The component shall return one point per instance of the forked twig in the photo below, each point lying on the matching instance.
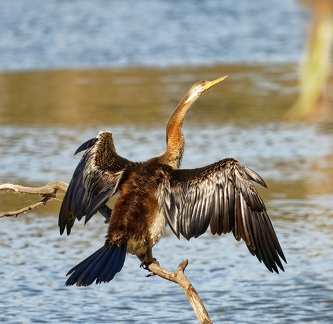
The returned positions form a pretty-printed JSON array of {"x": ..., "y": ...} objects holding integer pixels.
[{"x": 48, "y": 192}]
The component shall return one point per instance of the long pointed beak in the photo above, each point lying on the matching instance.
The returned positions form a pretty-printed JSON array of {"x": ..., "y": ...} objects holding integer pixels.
[{"x": 210, "y": 84}]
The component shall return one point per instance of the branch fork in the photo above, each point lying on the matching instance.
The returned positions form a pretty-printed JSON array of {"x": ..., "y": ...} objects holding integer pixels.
[{"x": 48, "y": 192}]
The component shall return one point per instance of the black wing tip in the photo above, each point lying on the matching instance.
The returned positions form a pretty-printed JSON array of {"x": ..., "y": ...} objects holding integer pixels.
[
  {"x": 282, "y": 256},
  {"x": 101, "y": 266},
  {"x": 62, "y": 224},
  {"x": 68, "y": 230},
  {"x": 275, "y": 265},
  {"x": 62, "y": 229},
  {"x": 65, "y": 221},
  {"x": 270, "y": 258},
  {"x": 86, "y": 145}
]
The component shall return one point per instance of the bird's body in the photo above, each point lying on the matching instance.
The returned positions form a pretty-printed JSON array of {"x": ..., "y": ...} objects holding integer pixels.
[
  {"x": 136, "y": 217},
  {"x": 155, "y": 193}
]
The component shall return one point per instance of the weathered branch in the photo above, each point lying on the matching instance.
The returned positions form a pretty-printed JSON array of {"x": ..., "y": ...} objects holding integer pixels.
[
  {"x": 48, "y": 189},
  {"x": 179, "y": 277},
  {"x": 49, "y": 192}
]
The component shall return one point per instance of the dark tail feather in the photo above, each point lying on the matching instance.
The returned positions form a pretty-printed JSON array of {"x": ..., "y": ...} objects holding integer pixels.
[{"x": 101, "y": 266}]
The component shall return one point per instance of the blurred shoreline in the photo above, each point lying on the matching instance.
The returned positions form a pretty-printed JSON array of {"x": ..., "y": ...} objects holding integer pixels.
[{"x": 147, "y": 96}]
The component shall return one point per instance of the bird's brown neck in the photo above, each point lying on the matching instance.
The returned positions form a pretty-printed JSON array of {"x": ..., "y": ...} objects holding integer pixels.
[{"x": 174, "y": 135}]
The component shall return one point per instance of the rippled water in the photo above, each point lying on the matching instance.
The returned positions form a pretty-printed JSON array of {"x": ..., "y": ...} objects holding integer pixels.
[
  {"x": 232, "y": 284},
  {"x": 153, "y": 33}
]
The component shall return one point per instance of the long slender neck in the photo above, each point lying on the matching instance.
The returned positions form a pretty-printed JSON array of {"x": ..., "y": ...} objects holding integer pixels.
[{"x": 174, "y": 135}]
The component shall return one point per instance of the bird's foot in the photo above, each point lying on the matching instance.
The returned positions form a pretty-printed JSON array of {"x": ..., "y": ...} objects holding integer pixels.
[
  {"x": 145, "y": 265},
  {"x": 146, "y": 262}
]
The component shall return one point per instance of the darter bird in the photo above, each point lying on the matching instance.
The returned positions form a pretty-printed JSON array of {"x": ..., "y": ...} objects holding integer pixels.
[{"x": 155, "y": 193}]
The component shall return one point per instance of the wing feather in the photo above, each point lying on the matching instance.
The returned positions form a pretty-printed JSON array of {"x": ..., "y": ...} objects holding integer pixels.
[
  {"x": 223, "y": 197},
  {"x": 95, "y": 180}
]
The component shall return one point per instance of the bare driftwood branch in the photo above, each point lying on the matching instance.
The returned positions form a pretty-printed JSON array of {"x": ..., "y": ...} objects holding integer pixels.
[
  {"x": 179, "y": 277},
  {"x": 49, "y": 192},
  {"x": 49, "y": 189}
]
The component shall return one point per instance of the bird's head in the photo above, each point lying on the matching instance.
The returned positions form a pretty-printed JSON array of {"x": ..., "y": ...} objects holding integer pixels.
[{"x": 200, "y": 87}]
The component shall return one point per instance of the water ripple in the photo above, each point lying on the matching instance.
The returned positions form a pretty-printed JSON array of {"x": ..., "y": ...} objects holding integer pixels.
[
  {"x": 83, "y": 34},
  {"x": 234, "y": 286}
]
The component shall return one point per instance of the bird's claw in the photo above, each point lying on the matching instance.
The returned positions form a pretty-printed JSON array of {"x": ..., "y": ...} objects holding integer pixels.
[{"x": 145, "y": 263}]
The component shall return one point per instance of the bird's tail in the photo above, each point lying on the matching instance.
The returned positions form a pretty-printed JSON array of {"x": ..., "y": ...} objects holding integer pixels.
[{"x": 101, "y": 266}]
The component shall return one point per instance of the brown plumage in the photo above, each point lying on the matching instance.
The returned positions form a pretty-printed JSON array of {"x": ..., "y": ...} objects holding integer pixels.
[{"x": 155, "y": 193}]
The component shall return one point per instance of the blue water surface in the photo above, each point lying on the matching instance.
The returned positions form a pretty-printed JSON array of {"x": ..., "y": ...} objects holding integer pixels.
[{"x": 41, "y": 34}]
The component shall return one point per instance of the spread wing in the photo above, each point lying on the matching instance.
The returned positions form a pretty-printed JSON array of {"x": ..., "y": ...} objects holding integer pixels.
[
  {"x": 94, "y": 181},
  {"x": 220, "y": 195}
]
